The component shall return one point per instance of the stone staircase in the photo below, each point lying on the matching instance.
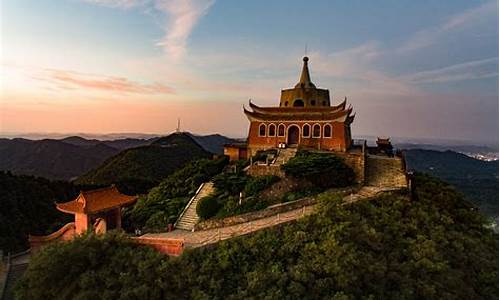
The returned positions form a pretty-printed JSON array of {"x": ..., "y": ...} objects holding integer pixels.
[
  {"x": 284, "y": 155},
  {"x": 189, "y": 217}
]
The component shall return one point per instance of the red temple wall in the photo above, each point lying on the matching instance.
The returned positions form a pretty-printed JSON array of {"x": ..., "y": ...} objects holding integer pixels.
[
  {"x": 82, "y": 223},
  {"x": 340, "y": 140}
]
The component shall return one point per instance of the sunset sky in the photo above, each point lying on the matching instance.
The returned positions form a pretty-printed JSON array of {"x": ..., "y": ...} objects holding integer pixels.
[{"x": 409, "y": 68}]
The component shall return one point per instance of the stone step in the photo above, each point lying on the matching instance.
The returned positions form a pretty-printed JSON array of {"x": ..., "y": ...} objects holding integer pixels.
[{"x": 190, "y": 217}]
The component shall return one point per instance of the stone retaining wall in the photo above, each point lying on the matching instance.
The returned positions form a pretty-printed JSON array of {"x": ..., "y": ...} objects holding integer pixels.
[
  {"x": 263, "y": 170},
  {"x": 357, "y": 163},
  {"x": 385, "y": 172}
]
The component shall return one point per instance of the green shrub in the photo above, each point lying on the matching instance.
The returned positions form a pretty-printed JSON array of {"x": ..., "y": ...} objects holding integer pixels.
[
  {"x": 257, "y": 184},
  {"x": 230, "y": 183},
  {"x": 207, "y": 207},
  {"x": 324, "y": 170}
]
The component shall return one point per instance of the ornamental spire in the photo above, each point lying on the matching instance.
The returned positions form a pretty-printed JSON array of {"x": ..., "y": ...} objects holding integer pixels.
[{"x": 305, "y": 78}]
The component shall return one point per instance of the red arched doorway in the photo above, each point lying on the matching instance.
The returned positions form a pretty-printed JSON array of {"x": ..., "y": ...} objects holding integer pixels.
[{"x": 293, "y": 135}]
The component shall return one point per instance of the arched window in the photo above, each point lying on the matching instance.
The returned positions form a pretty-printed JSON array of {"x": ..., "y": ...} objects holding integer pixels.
[
  {"x": 262, "y": 130},
  {"x": 306, "y": 130},
  {"x": 327, "y": 131},
  {"x": 316, "y": 131},
  {"x": 286, "y": 103},
  {"x": 313, "y": 102},
  {"x": 281, "y": 130},
  {"x": 298, "y": 103},
  {"x": 271, "y": 131}
]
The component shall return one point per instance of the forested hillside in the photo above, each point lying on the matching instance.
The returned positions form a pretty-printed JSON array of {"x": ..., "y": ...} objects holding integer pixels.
[
  {"x": 73, "y": 156},
  {"x": 27, "y": 207},
  {"x": 137, "y": 170},
  {"x": 477, "y": 179},
  {"x": 442, "y": 250}
]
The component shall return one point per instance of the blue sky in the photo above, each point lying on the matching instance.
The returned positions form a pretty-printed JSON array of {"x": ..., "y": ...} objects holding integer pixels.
[{"x": 410, "y": 68}]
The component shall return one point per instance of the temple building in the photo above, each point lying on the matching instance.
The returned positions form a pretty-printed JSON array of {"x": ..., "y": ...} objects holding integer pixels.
[
  {"x": 304, "y": 118},
  {"x": 90, "y": 206},
  {"x": 96, "y": 210}
]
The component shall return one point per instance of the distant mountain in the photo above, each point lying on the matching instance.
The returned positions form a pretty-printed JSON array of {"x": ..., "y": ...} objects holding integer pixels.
[
  {"x": 72, "y": 156},
  {"x": 138, "y": 169},
  {"x": 120, "y": 144},
  {"x": 477, "y": 179},
  {"x": 213, "y": 142},
  {"x": 53, "y": 159}
]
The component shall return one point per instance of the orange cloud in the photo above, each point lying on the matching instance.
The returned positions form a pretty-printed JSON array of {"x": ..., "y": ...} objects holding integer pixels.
[{"x": 73, "y": 80}]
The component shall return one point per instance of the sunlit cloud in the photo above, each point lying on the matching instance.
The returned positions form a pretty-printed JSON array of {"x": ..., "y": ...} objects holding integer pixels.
[
  {"x": 183, "y": 15},
  {"x": 69, "y": 80},
  {"x": 181, "y": 18}
]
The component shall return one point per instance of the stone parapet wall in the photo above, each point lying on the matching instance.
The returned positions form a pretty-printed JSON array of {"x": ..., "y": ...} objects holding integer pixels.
[
  {"x": 65, "y": 233},
  {"x": 385, "y": 171},
  {"x": 270, "y": 211}
]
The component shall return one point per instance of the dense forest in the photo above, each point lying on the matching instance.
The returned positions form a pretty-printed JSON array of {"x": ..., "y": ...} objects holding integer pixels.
[
  {"x": 27, "y": 207},
  {"x": 431, "y": 246},
  {"x": 477, "y": 179}
]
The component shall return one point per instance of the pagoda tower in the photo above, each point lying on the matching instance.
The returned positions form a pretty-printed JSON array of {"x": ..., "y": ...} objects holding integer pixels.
[{"x": 304, "y": 118}]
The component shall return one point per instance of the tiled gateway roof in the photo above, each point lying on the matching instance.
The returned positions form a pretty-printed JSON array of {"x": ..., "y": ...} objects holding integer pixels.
[{"x": 96, "y": 200}]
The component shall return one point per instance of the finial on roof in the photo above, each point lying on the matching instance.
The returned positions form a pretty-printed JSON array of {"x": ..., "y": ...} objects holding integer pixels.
[{"x": 305, "y": 78}]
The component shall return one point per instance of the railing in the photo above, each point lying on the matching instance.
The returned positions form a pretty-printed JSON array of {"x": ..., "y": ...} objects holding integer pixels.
[{"x": 188, "y": 204}]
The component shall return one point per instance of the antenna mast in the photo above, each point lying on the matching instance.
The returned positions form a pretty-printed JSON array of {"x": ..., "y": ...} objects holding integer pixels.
[{"x": 178, "y": 130}]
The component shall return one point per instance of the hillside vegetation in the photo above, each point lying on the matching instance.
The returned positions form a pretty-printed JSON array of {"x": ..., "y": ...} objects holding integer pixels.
[
  {"x": 27, "y": 207},
  {"x": 477, "y": 179},
  {"x": 442, "y": 250},
  {"x": 137, "y": 170},
  {"x": 163, "y": 204}
]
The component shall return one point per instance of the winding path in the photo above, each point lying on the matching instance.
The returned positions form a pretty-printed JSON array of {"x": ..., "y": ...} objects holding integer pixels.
[{"x": 206, "y": 237}]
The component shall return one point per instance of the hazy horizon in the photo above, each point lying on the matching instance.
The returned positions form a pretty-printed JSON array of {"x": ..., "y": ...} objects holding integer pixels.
[
  {"x": 145, "y": 135},
  {"x": 424, "y": 70}
]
